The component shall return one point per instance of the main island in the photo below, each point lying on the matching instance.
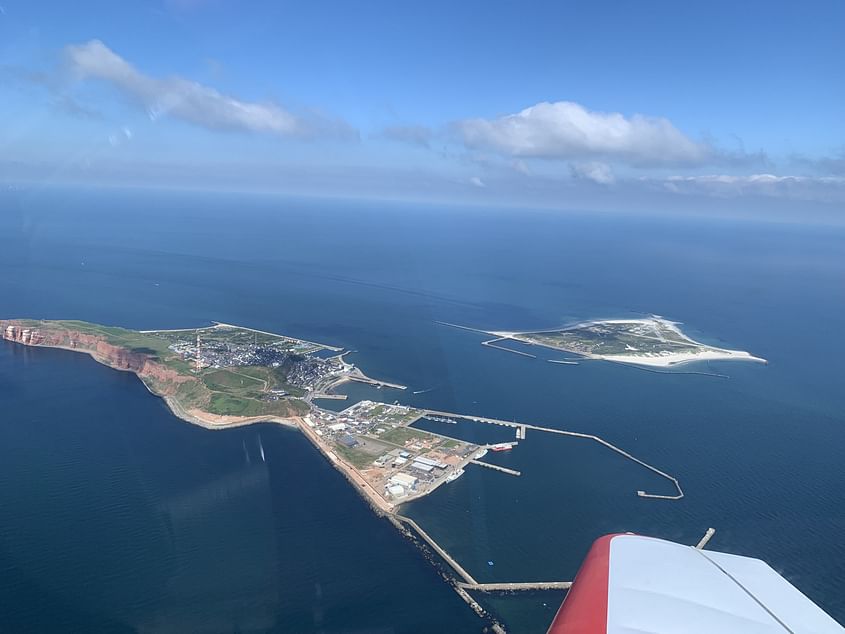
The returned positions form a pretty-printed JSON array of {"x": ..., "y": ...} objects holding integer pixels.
[{"x": 224, "y": 376}]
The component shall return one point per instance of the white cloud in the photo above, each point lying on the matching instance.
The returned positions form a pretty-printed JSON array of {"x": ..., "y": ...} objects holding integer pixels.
[
  {"x": 595, "y": 171},
  {"x": 475, "y": 180},
  {"x": 189, "y": 100},
  {"x": 567, "y": 130},
  {"x": 819, "y": 188}
]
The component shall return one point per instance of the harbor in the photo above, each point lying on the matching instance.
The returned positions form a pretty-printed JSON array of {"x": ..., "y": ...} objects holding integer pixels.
[{"x": 522, "y": 427}]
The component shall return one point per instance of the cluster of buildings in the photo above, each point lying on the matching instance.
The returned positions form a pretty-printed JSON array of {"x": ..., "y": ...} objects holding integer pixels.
[
  {"x": 299, "y": 370},
  {"x": 400, "y": 465}
]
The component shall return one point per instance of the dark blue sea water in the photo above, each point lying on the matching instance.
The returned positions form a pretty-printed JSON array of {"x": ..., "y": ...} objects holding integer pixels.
[{"x": 116, "y": 516}]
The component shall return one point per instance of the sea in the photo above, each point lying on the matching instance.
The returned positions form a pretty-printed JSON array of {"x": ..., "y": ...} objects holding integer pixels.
[{"x": 115, "y": 516}]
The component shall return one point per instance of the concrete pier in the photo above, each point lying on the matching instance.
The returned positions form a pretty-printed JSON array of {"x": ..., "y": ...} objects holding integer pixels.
[
  {"x": 514, "y": 587},
  {"x": 601, "y": 441},
  {"x": 446, "y": 556},
  {"x": 496, "y": 467},
  {"x": 491, "y": 343},
  {"x": 376, "y": 382},
  {"x": 710, "y": 532}
]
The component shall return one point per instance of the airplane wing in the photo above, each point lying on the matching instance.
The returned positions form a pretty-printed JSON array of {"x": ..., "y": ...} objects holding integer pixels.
[{"x": 630, "y": 584}]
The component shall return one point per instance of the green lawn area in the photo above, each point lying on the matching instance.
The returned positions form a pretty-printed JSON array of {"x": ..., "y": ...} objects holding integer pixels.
[
  {"x": 231, "y": 381},
  {"x": 230, "y": 405},
  {"x": 401, "y": 435},
  {"x": 354, "y": 456}
]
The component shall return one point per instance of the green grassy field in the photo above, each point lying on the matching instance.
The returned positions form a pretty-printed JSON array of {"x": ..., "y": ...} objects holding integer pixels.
[
  {"x": 401, "y": 435},
  {"x": 232, "y": 381},
  {"x": 355, "y": 457}
]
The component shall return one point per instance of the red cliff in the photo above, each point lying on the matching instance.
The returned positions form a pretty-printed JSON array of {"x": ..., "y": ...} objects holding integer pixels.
[{"x": 165, "y": 379}]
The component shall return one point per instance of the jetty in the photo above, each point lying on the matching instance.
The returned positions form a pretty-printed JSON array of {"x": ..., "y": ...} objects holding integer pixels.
[
  {"x": 496, "y": 467},
  {"x": 517, "y": 586},
  {"x": 491, "y": 343},
  {"x": 362, "y": 378},
  {"x": 707, "y": 535},
  {"x": 575, "y": 434},
  {"x": 440, "y": 551}
]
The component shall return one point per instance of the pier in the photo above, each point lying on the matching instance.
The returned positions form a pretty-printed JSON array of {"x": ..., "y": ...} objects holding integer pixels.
[
  {"x": 594, "y": 438},
  {"x": 496, "y": 467},
  {"x": 710, "y": 532},
  {"x": 360, "y": 378},
  {"x": 517, "y": 586},
  {"x": 491, "y": 343},
  {"x": 331, "y": 397},
  {"x": 446, "y": 556}
]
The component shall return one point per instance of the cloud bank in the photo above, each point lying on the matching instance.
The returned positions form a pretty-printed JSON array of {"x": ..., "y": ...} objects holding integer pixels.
[
  {"x": 595, "y": 171},
  {"x": 818, "y": 188},
  {"x": 191, "y": 101},
  {"x": 567, "y": 130}
]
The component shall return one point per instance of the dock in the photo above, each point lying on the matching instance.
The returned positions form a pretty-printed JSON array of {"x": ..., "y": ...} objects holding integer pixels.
[
  {"x": 331, "y": 397},
  {"x": 496, "y": 467},
  {"x": 517, "y": 586}
]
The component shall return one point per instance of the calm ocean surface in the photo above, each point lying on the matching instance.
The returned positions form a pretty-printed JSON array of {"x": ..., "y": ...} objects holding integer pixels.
[{"x": 117, "y": 517}]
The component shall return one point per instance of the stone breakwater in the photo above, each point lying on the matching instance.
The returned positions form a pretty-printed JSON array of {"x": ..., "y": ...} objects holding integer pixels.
[{"x": 164, "y": 379}]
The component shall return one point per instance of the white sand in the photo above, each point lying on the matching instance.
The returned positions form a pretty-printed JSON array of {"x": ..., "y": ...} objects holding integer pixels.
[{"x": 676, "y": 358}]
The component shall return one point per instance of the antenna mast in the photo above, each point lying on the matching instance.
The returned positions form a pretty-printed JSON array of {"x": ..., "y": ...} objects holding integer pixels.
[{"x": 198, "y": 352}]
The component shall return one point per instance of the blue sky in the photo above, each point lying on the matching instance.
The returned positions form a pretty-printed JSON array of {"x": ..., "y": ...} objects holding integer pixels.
[{"x": 558, "y": 104}]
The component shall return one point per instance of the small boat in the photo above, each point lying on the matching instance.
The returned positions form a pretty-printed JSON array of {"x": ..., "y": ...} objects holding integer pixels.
[
  {"x": 261, "y": 449},
  {"x": 502, "y": 446}
]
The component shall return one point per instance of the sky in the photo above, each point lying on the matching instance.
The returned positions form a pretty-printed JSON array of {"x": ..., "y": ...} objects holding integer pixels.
[{"x": 705, "y": 107}]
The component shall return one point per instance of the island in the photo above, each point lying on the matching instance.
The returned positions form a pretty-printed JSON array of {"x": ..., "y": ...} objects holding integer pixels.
[
  {"x": 223, "y": 376},
  {"x": 653, "y": 341}
]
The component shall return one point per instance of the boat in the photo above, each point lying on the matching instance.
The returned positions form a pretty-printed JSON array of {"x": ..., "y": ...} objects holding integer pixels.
[
  {"x": 454, "y": 475},
  {"x": 261, "y": 447},
  {"x": 501, "y": 446}
]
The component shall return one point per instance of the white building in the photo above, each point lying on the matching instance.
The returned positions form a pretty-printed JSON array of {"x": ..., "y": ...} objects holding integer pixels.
[
  {"x": 403, "y": 479},
  {"x": 396, "y": 491}
]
